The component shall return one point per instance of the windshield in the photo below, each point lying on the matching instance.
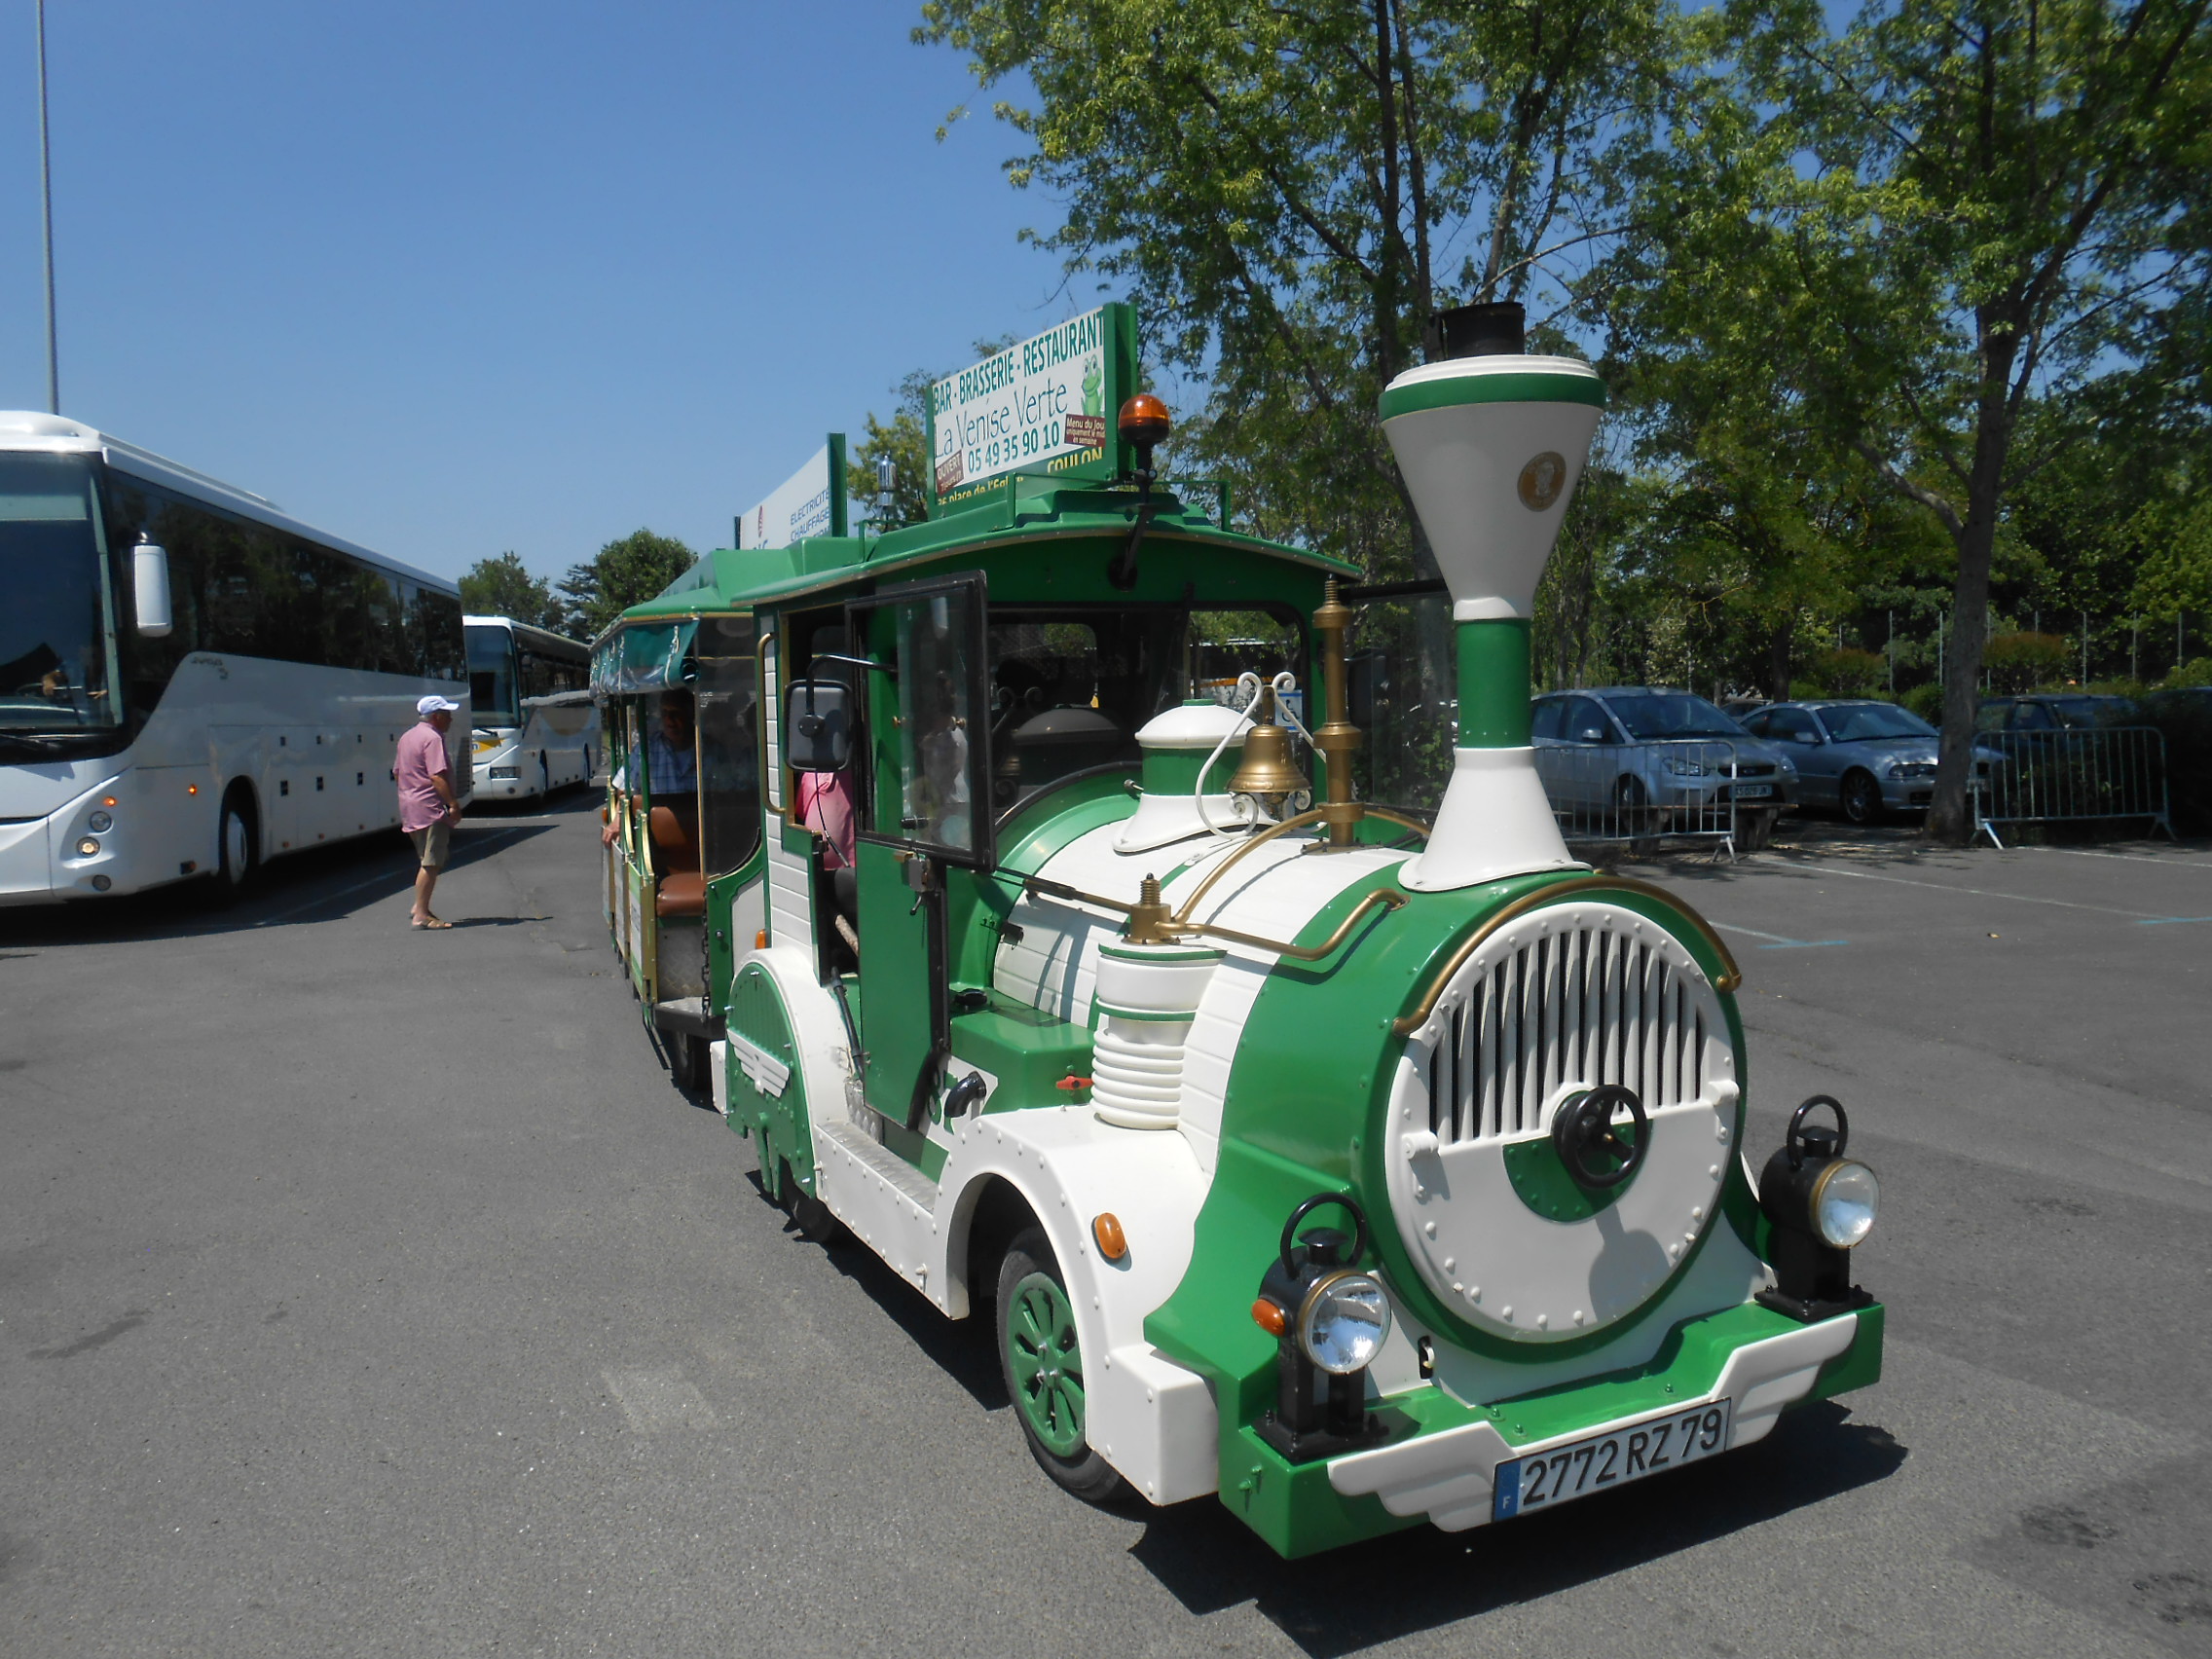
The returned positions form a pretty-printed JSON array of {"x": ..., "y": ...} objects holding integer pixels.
[
  {"x": 2091, "y": 711},
  {"x": 56, "y": 615},
  {"x": 1654, "y": 716},
  {"x": 1848, "y": 722},
  {"x": 491, "y": 677}
]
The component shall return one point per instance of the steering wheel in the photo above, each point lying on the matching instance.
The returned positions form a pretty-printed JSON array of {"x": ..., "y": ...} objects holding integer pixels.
[{"x": 1584, "y": 1137}]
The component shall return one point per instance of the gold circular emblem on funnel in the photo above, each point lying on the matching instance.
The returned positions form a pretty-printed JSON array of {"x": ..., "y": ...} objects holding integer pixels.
[{"x": 1542, "y": 479}]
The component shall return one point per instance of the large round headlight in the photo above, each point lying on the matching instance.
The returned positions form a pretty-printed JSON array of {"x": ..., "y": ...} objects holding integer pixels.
[
  {"x": 1844, "y": 1200},
  {"x": 99, "y": 824},
  {"x": 1343, "y": 1322}
]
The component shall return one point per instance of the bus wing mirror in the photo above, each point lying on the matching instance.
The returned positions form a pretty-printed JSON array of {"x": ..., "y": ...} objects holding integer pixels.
[
  {"x": 818, "y": 726},
  {"x": 150, "y": 583}
]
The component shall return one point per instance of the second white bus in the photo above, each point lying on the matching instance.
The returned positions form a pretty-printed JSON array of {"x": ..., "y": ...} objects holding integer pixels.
[{"x": 536, "y": 726}]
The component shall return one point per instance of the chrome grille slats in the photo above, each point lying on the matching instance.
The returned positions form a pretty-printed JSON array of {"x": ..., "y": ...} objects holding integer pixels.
[{"x": 1595, "y": 996}]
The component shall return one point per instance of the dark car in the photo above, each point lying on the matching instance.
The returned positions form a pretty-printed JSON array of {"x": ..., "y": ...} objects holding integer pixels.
[{"x": 2053, "y": 711}]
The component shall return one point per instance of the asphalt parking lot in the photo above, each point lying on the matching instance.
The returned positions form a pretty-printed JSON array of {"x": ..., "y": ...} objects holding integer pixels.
[{"x": 364, "y": 1290}]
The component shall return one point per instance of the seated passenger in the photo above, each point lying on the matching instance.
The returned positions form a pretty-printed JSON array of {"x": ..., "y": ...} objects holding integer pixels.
[{"x": 671, "y": 774}]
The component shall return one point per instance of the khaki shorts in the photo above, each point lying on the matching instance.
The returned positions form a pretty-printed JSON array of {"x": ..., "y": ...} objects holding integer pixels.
[{"x": 432, "y": 843}]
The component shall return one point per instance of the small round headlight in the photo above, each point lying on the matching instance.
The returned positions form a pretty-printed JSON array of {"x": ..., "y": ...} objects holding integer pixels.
[
  {"x": 1844, "y": 1200},
  {"x": 99, "y": 824},
  {"x": 1343, "y": 1322},
  {"x": 87, "y": 847}
]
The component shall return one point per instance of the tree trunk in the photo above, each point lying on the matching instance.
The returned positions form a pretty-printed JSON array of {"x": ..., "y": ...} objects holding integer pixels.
[
  {"x": 1778, "y": 658},
  {"x": 1950, "y": 817}
]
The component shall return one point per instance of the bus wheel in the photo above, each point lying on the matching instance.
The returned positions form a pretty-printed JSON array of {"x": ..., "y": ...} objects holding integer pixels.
[
  {"x": 237, "y": 844},
  {"x": 1041, "y": 1358}
]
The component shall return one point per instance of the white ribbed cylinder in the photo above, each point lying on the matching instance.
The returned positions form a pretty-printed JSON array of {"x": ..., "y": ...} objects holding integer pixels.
[{"x": 1148, "y": 996}]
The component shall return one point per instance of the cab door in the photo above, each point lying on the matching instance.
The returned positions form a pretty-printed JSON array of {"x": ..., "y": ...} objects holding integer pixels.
[{"x": 924, "y": 811}]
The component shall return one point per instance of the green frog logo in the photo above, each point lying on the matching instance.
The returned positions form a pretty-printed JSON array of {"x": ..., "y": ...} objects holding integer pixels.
[{"x": 1093, "y": 386}]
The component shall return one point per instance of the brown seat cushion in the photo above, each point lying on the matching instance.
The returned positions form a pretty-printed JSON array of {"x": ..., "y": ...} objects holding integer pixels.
[{"x": 682, "y": 893}]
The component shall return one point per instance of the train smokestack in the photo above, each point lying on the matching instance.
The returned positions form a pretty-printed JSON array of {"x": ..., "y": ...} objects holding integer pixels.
[{"x": 1490, "y": 443}]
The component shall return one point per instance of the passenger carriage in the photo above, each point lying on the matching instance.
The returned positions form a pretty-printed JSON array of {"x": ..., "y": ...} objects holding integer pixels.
[{"x": 1356, "y": 1169}]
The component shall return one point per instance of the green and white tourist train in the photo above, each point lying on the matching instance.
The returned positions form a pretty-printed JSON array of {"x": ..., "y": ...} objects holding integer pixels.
[{"x": 1358, "y": 1170}]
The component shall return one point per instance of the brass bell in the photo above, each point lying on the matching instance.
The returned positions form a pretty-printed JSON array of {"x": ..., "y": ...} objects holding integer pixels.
[{"x": 1266, "y": 769}]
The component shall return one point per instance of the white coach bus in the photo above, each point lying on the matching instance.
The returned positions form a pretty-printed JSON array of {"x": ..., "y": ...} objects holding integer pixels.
[
  {"x": 537, "y": 728},
  {"x": 191, "y": 683}
]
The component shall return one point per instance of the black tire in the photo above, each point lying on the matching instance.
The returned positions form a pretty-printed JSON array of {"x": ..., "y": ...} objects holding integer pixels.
[
  {"x": 810, "y": 1215},
  {"x": 1039, "y": 1354},
  {"x": 1631, "y": 808},
  {"x": 238, "y": 845},
  {"x": 686, "y": 1067},
  {"x": 1861, "y": 797}
]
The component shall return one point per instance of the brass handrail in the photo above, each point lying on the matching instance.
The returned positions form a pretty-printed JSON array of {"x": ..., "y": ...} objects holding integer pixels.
[
  {"x": 1731, "y": 977},
  {"x": 1242, "y": 847},
  {"x": 1387, "y": 897}
]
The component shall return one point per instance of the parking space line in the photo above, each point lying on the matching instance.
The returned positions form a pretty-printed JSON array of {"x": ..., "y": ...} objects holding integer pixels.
[
  {"x": 2164, "y": 921},
  {"x": 1983, "y": 893},
  {"x": 1779, "y": 942},
  {"x": 2131, "y": 857}
]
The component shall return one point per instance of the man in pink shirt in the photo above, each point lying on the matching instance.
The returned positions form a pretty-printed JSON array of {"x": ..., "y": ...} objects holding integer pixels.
[{"x": 427, "y": 807}]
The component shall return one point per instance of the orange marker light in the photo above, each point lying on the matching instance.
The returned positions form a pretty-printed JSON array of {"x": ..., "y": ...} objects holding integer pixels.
[
  {"x": 108, "y": 801},
  {"x": 760, "y": 940},
  {"x": 1269, "y": 1317},
  {"x": 191, "y": 788},
  {"x": 1106, "y": 1228}
]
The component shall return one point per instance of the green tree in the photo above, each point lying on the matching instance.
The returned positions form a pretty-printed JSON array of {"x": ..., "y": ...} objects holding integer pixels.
[
  {"x": 905, "y": 441},
  {"x": 1291, "y": 194},
  {"x": 1918, "y": 227},
  {"x": 625, "y": 572},
  {"x": 504, "y": 587}
]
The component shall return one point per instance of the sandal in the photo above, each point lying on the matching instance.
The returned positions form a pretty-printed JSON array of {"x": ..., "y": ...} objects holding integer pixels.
[{"x": 434, "y": 922}]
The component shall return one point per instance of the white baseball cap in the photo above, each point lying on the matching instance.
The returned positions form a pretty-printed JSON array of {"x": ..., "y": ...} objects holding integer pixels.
[{"x": 433, "y": 704}]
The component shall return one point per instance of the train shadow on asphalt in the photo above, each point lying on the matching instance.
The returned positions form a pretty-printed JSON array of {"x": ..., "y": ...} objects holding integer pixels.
[
  {"x": 1205, "y": 1559},
  {"x": 959, "y": 1348},
  {"x": 320, "y": 884}
]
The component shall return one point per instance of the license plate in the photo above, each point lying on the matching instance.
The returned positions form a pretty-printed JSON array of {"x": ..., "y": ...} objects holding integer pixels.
[
  {"x": 1754, "y": 791},
  {"x": 1565, "y": 1474}
]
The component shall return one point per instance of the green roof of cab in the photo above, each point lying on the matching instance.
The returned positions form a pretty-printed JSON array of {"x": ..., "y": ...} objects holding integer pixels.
[
  {"x": 1530, "y": 384},
  {"x": 740, "y": 578}
]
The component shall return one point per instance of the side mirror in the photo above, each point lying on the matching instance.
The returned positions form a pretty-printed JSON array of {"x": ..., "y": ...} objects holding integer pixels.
[
  {"x": 150, "y": 584},
  {"x": 818, "y": 726}
]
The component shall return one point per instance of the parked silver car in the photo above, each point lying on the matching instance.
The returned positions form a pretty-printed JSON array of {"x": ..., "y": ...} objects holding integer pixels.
[
  {"x": 1860, "y": 753},
  {"x": 1656, "y": 762}
]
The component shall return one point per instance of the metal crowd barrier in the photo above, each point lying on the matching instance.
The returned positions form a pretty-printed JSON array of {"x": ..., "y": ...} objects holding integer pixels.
[
  {"x": 1644, "y": 793},
  {"x": 2054, "y": 777}
]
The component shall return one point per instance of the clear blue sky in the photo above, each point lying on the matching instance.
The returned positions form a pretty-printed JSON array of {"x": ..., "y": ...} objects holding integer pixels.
[{"x": 447, "y": 279}]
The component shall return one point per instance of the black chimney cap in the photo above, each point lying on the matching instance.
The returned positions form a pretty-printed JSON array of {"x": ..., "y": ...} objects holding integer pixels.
[{"x": 1496, "y": 329}]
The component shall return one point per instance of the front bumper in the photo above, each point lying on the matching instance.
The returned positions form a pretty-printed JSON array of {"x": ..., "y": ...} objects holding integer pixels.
[{"x": 1442, "y": 1464}]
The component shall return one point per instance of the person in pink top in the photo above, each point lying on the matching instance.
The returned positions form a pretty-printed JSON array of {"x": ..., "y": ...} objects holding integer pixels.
[{"x": 427, "y": 806}]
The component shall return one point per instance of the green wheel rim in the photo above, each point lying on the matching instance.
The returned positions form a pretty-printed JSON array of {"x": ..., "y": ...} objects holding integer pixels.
[{"x": 1046, "y": 1363}]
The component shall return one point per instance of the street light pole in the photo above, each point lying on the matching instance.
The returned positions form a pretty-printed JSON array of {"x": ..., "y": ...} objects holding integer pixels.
[{"x": 46, "y": 194}]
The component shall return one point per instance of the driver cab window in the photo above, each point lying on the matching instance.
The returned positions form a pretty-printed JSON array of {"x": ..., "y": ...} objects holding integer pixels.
[{"x": 928, "y": 722}]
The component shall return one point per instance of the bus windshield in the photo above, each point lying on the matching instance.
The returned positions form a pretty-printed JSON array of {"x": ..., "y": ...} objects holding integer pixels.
[
  {"x": 491, "y": 677},
  {"x": 56, "y": 615}
]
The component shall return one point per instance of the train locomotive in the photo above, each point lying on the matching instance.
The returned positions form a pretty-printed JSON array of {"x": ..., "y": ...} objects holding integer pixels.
[{"x": 1361, "y": 1169}]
